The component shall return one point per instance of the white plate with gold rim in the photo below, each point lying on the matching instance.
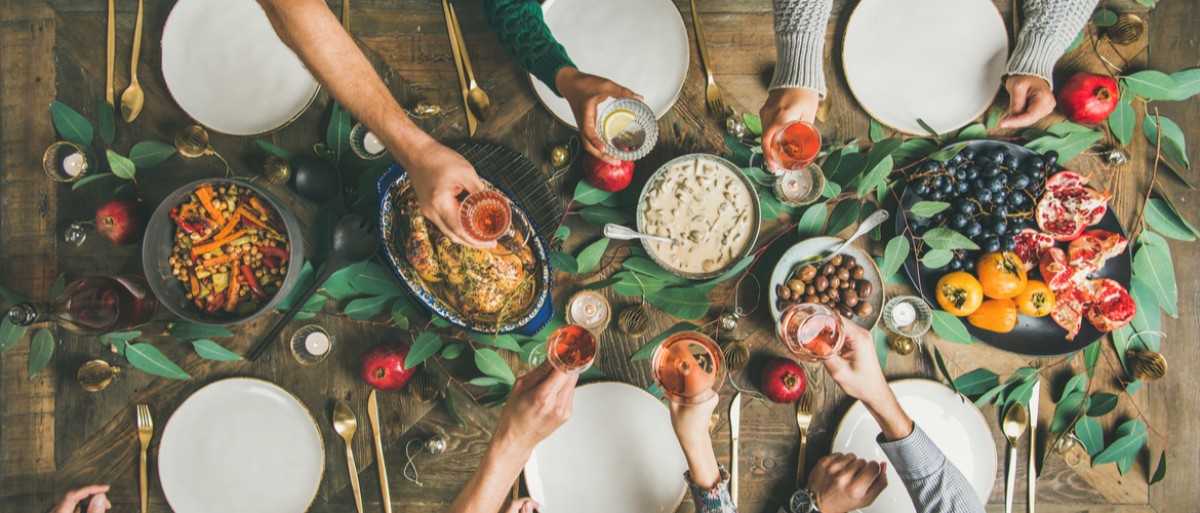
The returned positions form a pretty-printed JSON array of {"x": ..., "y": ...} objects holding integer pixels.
[
  {"x": 937, "y": 60},
  {"x": 226, "y": 67},
  {"x": 617, "y": 453},
  {"x": 955, "y": 426},
  {"x": 640, "y": 44},
  {"x": 241, "y": 445}
]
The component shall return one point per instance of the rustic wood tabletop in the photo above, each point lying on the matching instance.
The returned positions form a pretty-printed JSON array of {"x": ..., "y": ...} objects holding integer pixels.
[{"x": 54, "y": 436}]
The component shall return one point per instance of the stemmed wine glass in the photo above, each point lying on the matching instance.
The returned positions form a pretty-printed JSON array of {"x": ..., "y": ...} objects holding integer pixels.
[
  {"x": 688, "y": 367},
  {"x": 811, "y": 331},
  {"x": 572, "y": 349}
]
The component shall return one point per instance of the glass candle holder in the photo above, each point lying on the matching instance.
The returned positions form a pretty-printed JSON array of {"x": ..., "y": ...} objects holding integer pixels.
[
  {"x": 909, "y": 316},
  {"x": 800, "y": 187},
  {"x": 628, "y": 128},
  {"x": 589, "y": 309},
  {"x": 65, "y": 162},
  {"x": 811, "y": 331},
  {"x": 311, "y": 344},
  {"x": 365, "y": 143}
]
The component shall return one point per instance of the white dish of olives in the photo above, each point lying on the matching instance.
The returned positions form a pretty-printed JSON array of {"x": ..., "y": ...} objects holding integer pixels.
[{"x": 849, "y": 283}]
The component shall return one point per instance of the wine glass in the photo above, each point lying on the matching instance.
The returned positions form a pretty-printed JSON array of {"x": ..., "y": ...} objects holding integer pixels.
[
  {"x": 572, "y": 349},
  {"x": 486, "y": 215},
  {"x": 688, "y": 367},
  {"x": 794, "y": 147},
  {"x": 811, "y": 331}
]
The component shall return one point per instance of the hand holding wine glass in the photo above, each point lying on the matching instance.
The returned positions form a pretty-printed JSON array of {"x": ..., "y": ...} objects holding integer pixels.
[{"x": 539, "y": 404}]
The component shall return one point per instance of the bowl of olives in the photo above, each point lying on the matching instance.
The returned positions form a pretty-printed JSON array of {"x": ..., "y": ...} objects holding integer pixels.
[{"x": 849, "y": 283}]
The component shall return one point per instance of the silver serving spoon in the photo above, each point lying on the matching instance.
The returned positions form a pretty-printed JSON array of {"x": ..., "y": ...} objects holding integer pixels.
[
  {"x": 867, "y": 225},
  {"x": 618, "y": 232}
]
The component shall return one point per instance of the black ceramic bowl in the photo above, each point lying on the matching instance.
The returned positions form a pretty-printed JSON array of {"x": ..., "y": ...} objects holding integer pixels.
[{"x": 159, "y": 241}]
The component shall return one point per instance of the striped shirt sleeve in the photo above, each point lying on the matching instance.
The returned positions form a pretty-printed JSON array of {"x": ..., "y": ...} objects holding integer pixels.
[{"x": 934, "y": 484}]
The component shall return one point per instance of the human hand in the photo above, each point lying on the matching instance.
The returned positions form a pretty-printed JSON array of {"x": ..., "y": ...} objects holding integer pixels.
[
  {"x": 785, "y": 105},
  {"x": 540, "y": 402},
  {"x": 522, "y": 505},
  {"x": 97, "y": 502},
  {"x": 843, "y": 482},
  {"x": 1029, "y": 100},
  {"x": 856, "y": 368},
  {"x": 583, "y": 93},
  {"x": 439, "y": 175}
]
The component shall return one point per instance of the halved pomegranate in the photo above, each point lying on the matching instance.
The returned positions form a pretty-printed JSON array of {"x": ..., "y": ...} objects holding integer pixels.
[
  {"x": 1031, "y": 244},
  {"x": 1068, "y": 310},
  {"x": 1111, "y": 306},
  {"x": 1068, "y": 206},
  {"x": 1093, "y": 248},
  {"x": 1054, "y": 269}
]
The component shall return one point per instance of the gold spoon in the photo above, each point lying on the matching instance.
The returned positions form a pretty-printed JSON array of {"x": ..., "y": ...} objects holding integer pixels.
[
  {"x": 346, "y": 424},
  {"x": 133, "y": 98},
  {"x": 477, "y": 98},
  {"x": 1015, "y": 421}
]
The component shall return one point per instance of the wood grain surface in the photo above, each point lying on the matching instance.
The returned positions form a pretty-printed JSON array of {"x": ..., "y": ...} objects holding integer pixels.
[{"x": 54, "y": 436}]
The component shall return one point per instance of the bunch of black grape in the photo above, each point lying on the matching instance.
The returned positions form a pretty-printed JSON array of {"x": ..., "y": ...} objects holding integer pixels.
[{"x": 992, "y": 195}]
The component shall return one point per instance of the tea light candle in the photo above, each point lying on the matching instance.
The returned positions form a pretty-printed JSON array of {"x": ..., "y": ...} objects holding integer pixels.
[
  {"x": 73, "y": 164},
  {"x": 317, "y": 343},
  {"x": 588, "y": 309},
  {"x": 794, "y": 185},
  {"x": 903, "y": 314},
  {"x": 372, "y": 144}
]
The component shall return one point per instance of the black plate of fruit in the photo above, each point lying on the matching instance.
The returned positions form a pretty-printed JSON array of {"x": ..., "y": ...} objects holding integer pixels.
[{"x": 993, "y": 189}]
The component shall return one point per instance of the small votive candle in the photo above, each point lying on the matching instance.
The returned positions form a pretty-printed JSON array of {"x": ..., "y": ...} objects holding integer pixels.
[
  {"x": 903, "y": 314},
  {"x": 372, "y": 144},
  {"x": 317, "y": 343},
  {"x": 311, "y": 344},
  {"x": 589, "y": 309},
  {"x": 73, "y": 164}
]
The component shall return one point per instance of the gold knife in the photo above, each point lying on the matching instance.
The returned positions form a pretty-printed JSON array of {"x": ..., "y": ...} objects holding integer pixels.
[
  {"x": 1031, "y": 485},
  {"x": 112, "y": 49},
  {"x": 373, "y": 415},
  {"x": 735, "y": 424},
  {"x": 452, "y": 31}
]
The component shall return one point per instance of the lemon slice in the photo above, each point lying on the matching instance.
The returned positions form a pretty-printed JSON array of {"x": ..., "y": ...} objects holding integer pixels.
[{"x": 616, "y": 121}]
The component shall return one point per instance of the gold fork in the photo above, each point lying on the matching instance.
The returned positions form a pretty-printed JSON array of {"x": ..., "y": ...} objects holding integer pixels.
[
  {"x": 145, "y": 430},
  {"x": 712, "y": 93},
  {"x": 803, "y": 420}
]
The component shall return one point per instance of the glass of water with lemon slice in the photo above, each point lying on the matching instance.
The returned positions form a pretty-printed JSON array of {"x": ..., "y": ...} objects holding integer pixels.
[{"x": 628, "y": 128}]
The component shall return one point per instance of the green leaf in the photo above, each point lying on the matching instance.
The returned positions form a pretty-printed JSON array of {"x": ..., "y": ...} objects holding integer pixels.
[
  {"x": 70, "y": 124},
  {"x": 1066, "y": 411},
  {"x": 1090, "y": 356},
  {"x": 1161, "y": 470},
  {"x": 121, "y": 336},
  {"x": 1133, "y": 387},
  {"x": 753, "y": 123},
  {"x": 950, "y": 327},
  {"x": 881, "y": 346},
  {"x": 948, "y": 153},
  {"x": 106, "y": 123},
  {"x": 210, "y": 350},
  {"x": 192, "y": 331},
  {"x": 276, "y": 151},
  {"x": 148, "y": 154},
  {"x": 590, "y": 256},
  {"x": 485, "y": 381},
  {"x": 452, "y": 411},
  {"x": 876, "y": 176},
  {"x": 588, "y": 195},
  {"x": 563, "y": 233},
  {"x": 990, "y": 396},
  {"x": 737, "y": 269},
  {"x": 632, "y": 284},
  {"x": 914, "y": 149},
  {"x": 876, "y": 131},
  {"x": 812, "y": 220},
  {"x": 928, "y": 209},
  {"x": 944, "y": 238},
  {"x": 121, "y": 166},
  {"x": 564, "y": 262},
  {"x": 90, "y": 178},
  {"x": 1128, "y": 444},
  {"x": 769, "y": 206},
  {"x": 453, "y": 351},
  {"x": 647, "y": 267},
  {"x": 492, "y": 364},
  {"x": 1174, "y": 144},
  {"x": 596, "y": 214},
  {"x": 977, "y": 382},
  {"x": 425, "y": 345},
  {"x": 41, "y": 348},
  {"x": 941, "y": 365},
  {"x": 1101, "y": 404},
  {"x": 646, "y": 351},
  {"x": 1069, "y": 146},
  {"x": 972, "y": 132},
  {"x": 1090, "y": 434},
  {"x": 1123, "y": 119},
  {"x": 831, "y": 190},
  {"x": 337, "y": 134},
  {"x": 1187, "y": 83},
  {"x": 59, "y": 283},
  {"x": 993, "y": 118},
  {"x": 365, "y": 308},
  {"x": 12, "y": 296},
  {"x": 739, "y": 153},
  {"x": 1151, "y": 85},
  {"x": 849, "y": 167},
  {"x": 844, "y": 215},
  {"x": 929, "y": 129},
  {"x": 1164, "y": 219},
  {"x": 375, "y": 280},
  {"x": 684, "y": 303},
  {"x": 936, "y": 258},
  {"x": 150, "y": 360},
  {"x": 894, "y": 256},
  {"x": 1153, "y": 267},
  {"x": 1079, "y": 38},
  {"x": 1104, "y": 18},
  {"x": 1077, "y": 383}
]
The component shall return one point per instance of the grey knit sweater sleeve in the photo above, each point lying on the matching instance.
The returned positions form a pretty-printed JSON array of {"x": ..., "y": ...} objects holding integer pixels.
[
  {"x": 1050, "y": 27},
  {"x": 800, "y": 43}
]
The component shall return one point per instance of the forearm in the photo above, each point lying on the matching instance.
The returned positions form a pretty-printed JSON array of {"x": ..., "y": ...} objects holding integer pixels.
[
  {"x": 522, "y": 31},
  {"x": 934, "y": 484},
  {"x": 701, "y": 460},
  {"x": 488, "y": 487},
  {"x": 1050, "y": 27},
  {"x": 891, "y": 417},
  {"x": 800, "y": 43},
  {"x": 311, "y": 30}
]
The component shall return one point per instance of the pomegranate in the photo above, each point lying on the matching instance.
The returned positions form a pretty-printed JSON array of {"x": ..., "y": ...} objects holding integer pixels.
[
  {"x": 1111, "y": 306},
  {"x": 1088, "y": 98},
  {"x": 1055, "y": 272},
  {"x": 605, "y": 176},
  {"x": 783, "y": 380},
  {"x": 1068, "y": 206},
  {"x": 122, "y": 220},
  {"x": 1068, "y": 309},
  {"x": 1031, "y": 244},
  {"x": 1092, "y": 249},
  {"x": 383, "y": 367}
]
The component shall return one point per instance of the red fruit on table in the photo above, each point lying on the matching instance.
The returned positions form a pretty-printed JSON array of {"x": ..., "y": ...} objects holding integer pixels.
[
  {"x": 383, "y": 367},
  {"x": 783, "y": 380},
  {"x": 122, "y": 220},
  {"x": 1088, "y": 98},
  {"x": 605, "y": 176}
]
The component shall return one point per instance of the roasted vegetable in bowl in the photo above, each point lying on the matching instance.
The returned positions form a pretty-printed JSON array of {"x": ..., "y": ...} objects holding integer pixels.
[{"x": 230, "y": 250}]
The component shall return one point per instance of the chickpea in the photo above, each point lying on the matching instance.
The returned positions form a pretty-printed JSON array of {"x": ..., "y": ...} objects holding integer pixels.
[
  {"x": 254, "y": 249},
  {"x": 258, "y": 274},
  {"x": 175, "y": 271},
  {"x": 218, "y": 204},
  {"x": 246, "y": 246}
]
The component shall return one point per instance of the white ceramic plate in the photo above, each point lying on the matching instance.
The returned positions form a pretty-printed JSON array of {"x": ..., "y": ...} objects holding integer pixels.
[
  {"x": 954, "y": 425},
  {"x": 793, "y": 257},
  {"x": 938, "y": 60},
  {"x": 241, "y": 445},
  {"x": 617, "y": 453},
  {"x": 640, "y": 44},
  {"x": 226, "y": 67}
]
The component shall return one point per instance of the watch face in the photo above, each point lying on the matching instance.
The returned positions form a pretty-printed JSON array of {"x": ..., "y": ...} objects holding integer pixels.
[{"x": 801, "y": 502}]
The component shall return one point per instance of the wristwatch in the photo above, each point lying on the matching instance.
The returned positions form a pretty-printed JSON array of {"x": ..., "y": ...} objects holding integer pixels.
[{"x": 803, "y": 501}]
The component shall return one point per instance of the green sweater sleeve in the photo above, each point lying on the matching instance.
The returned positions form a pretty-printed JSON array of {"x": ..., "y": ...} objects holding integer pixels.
[{"x": 523, "y": 32}]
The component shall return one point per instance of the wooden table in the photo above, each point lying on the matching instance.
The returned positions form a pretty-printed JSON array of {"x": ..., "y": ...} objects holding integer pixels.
[{"x": 54, "y": 436}]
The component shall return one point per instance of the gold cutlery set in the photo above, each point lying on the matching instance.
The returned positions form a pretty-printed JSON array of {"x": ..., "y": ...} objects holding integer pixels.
[
  {"x": 346, "y": 424},
  {"x": 475, "y": 99},
  {"x": 133, "y": 98},
  {"x": 145, "y": 431},
  {"x": 1016, "y": 420}
]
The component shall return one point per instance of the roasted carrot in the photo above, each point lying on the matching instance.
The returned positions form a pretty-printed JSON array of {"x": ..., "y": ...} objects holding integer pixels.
[
  {"x": 249, "y": 218},
  {"x": 195, "y": 284},
  {"x": 229, "y": 227},
  {"x": 217, "y": 244},
  {"x": 232, "y": 302},
  {"x": 218, "y": 260},
  {"x": 206, "y": 196}
]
